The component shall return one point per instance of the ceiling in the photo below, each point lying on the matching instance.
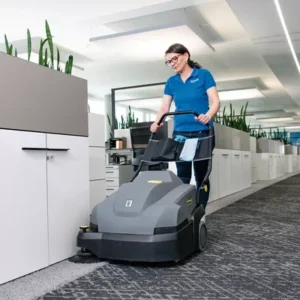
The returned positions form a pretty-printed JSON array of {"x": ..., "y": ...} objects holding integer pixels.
[{"x": 122, "y": 43}]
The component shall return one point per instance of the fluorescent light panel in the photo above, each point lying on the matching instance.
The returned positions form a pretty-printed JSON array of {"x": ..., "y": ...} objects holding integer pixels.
[
  {"x": 280, "y": 14},
  {"x": 147, "y": 44},
  {"x": 292, "y": 127},
  {"x": 241, "y": 94}
]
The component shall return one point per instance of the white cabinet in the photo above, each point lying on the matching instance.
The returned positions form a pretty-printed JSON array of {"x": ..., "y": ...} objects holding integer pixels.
[
  {"x": 231, "y": 172},
  {"x": 236, "y": 171},
  {"x": 68, "y": 193},
  {"x": 116, "y": 175},
  {"x": 96, "y": 130},
  {"x": 97, "y": 163},
  {"x": 214, "y": 177},
  {"x": 290, "y": 163},
  {"x": 44, "y": 198},
  {"x": 97, "y": 157},
  {"x": 246, "y": 170},
  {"x": 225, "y": 172},
  {"x": 270, "y": 165},
  {"x": 23, "y": 202},
  {"x": 97, "y": 192}
]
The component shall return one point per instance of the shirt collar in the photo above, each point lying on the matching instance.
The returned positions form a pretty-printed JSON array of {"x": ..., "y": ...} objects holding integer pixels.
[{"x": 195, "y": 73}]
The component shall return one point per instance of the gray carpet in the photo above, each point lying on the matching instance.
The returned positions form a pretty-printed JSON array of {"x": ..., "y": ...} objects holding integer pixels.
[{"x": 253, "y": 253}]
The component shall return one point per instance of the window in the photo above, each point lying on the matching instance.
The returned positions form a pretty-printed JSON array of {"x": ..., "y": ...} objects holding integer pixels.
[
  {"x": 138, "y": 114},
  {"x": 97, "y": 107},
  {"x": 121, "y": 111},
  {"x": 150, "y": 117}
]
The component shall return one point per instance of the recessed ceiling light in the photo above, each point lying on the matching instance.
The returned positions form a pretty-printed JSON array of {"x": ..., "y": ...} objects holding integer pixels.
[
  {"x": 280, "y": 14},
  {"x": 240, "y": 94}
]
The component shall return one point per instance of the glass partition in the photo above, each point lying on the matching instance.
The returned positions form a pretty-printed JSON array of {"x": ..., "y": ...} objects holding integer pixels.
[{"x": 141, "y": 103}]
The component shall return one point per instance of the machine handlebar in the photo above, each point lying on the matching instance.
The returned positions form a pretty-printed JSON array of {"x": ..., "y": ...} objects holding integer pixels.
[{"x": 186, "y": 112}]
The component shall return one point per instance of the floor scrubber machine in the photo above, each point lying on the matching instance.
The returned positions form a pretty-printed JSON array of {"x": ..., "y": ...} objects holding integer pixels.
[{"x": 155, "y": 217}]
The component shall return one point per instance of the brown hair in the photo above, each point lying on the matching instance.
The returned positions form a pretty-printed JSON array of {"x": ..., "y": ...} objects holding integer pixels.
[{"x": 180, "y": 49}]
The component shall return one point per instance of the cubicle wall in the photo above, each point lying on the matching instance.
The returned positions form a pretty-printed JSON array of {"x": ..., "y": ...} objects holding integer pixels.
[{"x": 44, "y": 158}]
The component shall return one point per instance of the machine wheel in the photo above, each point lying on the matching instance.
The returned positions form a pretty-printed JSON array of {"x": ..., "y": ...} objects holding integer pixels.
[{"x": 202, "y": 236}]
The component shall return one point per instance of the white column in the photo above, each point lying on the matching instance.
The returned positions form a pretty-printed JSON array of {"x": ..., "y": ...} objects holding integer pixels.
[{"x": 108, "y": 109}]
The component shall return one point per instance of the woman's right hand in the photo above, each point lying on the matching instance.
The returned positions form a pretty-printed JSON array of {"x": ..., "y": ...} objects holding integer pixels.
[{"x": 154, "y": 127}]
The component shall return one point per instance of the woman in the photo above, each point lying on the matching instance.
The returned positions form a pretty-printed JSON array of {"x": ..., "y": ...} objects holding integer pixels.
[{"x": 190, "y": 88}]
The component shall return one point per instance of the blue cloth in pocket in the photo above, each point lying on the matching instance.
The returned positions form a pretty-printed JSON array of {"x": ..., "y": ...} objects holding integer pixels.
[
  {"x": 180, "y": 138},
  {"x": 189, "y": 149}
]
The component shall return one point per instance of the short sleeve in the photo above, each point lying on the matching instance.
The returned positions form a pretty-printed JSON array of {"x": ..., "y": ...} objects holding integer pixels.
[
  {"x": 209, "y": 80},
  {"x": 168, "y": 90}
]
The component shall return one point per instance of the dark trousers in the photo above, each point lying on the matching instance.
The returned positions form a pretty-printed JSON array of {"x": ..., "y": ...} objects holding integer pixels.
[{"x": 184, "y": 169}]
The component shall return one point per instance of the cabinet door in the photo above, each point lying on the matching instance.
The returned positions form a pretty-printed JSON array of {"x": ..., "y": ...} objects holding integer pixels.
[
  {"x": 96, "y": 130},
  {"x": 97, "y": 163},
  {"x": 97, "y": 193},
  {"x": 246, "y": 171},
  {"x": 236, "y": 171},
  {"x": 225, "y": 180},
  {"x": 68, "y": 193},
  {"x": 23, "y": 202},
  {"x": 214, "y": 177}
]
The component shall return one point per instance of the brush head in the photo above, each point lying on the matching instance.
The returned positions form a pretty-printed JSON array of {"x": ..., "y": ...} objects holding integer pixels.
[{"x": 84, "y": 257}]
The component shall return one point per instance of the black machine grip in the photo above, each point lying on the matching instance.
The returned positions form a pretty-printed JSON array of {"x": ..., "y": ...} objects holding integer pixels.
[{"x": 186, "y": 112}]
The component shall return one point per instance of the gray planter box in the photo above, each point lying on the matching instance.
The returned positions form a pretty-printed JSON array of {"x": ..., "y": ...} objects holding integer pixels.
[
  {"x": 223, "y": 136},
  {"x": 269, "y": 146},
  {"x": 264, "y": 145},
  {"x": 290, "y": 149},
  {"x": 231, "y": 138},
  {"x": 35, "y": 98}
]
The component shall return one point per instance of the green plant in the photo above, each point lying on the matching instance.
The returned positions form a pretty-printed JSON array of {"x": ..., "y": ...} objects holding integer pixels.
[
  {"x": 130, "y": 118},
  {"x": 9, "y": 48},
  {"x": 50, "y": 43},
  {"x": 29, "y": 44},
  {"x": 258, "y": 132},
  {"x": 69, "y": 65},
  {"x": 112, "y": 126},
  {"x": 58, "y": 60},
  {"x": 233, "y": 120},
  {"x": 45, "y": 55}
]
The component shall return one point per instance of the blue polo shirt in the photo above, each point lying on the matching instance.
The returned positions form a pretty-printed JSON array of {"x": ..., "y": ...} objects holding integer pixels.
[{"x": 190, "y": 95}]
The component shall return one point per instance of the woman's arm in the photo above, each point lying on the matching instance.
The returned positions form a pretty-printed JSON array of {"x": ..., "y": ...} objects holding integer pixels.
[
  {"x": 214, "y": 105},
  {"x": 164, "y": 108}
]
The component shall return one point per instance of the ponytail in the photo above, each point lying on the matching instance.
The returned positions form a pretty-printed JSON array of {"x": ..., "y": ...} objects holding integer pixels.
[{"x": 194, "y": 64}]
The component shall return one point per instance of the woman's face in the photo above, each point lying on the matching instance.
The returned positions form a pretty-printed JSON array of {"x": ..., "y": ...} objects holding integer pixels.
[{"x": 177, "y": 61}]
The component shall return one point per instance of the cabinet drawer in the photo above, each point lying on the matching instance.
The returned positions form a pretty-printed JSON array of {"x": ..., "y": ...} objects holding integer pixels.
[
  {"x": 113, "y": 182},
  {"x": 110, "y": 190},
  {"x": 111, "y": 173}
]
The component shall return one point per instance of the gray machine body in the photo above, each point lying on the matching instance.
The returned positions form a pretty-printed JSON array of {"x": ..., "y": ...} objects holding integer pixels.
[{"x": 154, "y": 200}]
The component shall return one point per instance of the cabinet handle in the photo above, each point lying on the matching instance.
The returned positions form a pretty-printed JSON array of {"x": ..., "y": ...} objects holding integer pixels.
[
  {"x": 109, "y": 172},
  {"x": 224, "y": 154},
  {"x": 109, "y": 180},
  {"x": 237, "y": 155}
]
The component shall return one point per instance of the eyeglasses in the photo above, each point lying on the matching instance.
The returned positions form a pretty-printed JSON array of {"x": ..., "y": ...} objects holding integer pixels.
[{"x": 172, "y": 60}]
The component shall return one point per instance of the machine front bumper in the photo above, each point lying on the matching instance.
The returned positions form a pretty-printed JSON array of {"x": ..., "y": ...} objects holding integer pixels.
[{"x": 144, "y": 248}]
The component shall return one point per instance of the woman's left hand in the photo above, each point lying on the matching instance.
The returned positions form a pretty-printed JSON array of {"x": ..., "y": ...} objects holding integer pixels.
[{"x": 203, "y": 118}]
